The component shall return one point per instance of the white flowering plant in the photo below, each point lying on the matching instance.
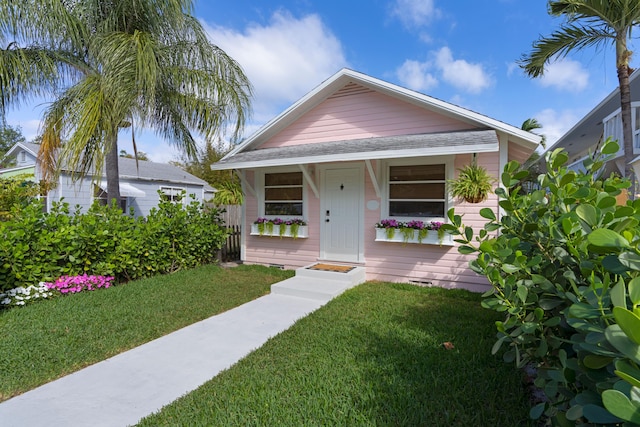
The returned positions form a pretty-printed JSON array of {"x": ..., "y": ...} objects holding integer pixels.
[{"x": 21, "y": 295}]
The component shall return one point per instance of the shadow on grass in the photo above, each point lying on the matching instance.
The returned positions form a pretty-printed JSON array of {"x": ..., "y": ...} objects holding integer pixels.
[{"x": 414, "y": 380}]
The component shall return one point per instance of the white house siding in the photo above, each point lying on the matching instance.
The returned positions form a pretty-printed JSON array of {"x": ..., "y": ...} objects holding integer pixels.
[{"x": 81, "y": 193}]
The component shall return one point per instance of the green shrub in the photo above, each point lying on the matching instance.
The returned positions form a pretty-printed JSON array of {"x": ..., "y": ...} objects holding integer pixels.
[
  {"x": 37, "y": 246},
  {"x": 559, "y": 260}
]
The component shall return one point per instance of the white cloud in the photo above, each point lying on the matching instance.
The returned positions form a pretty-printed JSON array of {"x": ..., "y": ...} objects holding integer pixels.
[
  {"x": 415, "y": 13},
  {"x": 555, "y": 123},
  {"x": 415, "y": 75},
  {"x": 284, "y": 59},
  {"x": 565, "y": 75},
  {"x": 460, "y": 73}
]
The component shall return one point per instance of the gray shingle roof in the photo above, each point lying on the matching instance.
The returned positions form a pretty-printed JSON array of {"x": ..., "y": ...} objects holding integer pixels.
[{"x": 379, "y": 147}]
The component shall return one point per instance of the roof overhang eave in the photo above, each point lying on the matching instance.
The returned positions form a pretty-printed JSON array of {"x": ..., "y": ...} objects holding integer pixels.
[{"x": 360, "y": 156}]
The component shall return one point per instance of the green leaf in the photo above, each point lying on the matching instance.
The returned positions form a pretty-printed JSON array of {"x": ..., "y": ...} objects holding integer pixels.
[
  {"x": 588, "y": 214},
  {"x": 509, "y": 268},
  {"x": 627, "y": 372},
  {"x": 594, "y": 361},
  {"x": 522, "y": 292},
  {"x": 606, "y": 202},
  {"x": 610, "y": 147},
  {"x": 612, "y": 264},
  {"x": 584, "y": 311},
  {"x": 468, "y": 233},
  {"x": 620, "y": 406},
  {"x": 487, "y": 214},
  {"x": 466, "y": 250},
  {"x": 605, "y": 238},
  {"x": 617, "y": 338},
  {"x": 537, "y": 411},
  {"x": 618, "y": 295},
  {"x": 598, "y": 415},
  {"x": 629, "y": 322},
  {"x": 634, "y": 290},
  {"x": 630, "y": 260},
  {"x": 574, "y": 412}
]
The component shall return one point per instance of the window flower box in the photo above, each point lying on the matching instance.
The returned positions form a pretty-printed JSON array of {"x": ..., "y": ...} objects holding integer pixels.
[
  {"x": 417, "y": 232},
  {"x": 295, "y": 228}
]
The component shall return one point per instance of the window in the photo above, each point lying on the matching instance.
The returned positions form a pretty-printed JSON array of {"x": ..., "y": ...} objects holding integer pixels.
[
  {"x": 23, "y": 156},
  {"x": 172, "y": 194},
  {"x": 283, "y": 194},
  {"x": 417, "y": 191},
  {"x": 101, "y": 197}
]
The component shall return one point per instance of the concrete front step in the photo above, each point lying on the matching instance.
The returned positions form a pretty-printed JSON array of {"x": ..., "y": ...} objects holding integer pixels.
[{"x": 319, "y": 285}]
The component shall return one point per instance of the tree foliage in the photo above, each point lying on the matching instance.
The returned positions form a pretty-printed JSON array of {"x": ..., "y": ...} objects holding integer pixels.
[
  {"x": 226, "y": 182},
  {"x": 9, "y": 136},
  {"x": 564, "y": 265},
  {"x": 592, "y": 23},
  {"x": 108, "y": 65}
]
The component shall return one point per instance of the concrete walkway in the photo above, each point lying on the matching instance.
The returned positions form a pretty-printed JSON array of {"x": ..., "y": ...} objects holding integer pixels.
[{"x": 122, "y": 390}]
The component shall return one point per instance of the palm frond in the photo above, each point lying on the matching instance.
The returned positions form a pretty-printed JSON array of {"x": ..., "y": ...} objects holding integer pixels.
[{"x": 562, "y": 42}]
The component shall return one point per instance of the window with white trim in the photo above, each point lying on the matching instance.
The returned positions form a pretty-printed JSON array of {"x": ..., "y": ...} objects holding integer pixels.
[
  {"x": 101, "y": 197},
  {"x": 172, "y": 194},
  {"x": 417, "y": 191},
  {"x": 283, "y": 194}
]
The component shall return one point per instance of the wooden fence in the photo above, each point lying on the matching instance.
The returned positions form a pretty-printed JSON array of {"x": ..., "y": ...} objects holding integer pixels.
[{"x": 232, "y": 218}]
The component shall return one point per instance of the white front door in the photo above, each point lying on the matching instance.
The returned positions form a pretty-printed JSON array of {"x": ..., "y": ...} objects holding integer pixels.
[{"x": 342, "y": 214}]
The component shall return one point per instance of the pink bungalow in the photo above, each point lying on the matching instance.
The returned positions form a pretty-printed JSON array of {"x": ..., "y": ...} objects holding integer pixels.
[{"x": 354, "y": 152}]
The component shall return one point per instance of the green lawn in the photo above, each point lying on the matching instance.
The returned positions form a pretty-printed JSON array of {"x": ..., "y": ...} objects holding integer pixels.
[
  {"x": 372, "y": 357},
  {"x": 49, "y": 339}
]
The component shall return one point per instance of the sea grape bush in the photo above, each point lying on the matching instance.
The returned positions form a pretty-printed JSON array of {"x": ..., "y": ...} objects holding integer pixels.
[
  {"x": 83, "y": 282},
  {"x": 564, "y": 265},
  {"x": 41, "y": 247}
]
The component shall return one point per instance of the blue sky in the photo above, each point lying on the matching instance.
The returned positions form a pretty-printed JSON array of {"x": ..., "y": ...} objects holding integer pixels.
[{"x": 463, "y": 52}]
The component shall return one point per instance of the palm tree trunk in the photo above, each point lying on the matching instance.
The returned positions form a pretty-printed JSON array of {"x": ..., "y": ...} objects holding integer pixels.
[
  {"x": 622, "y": 65},
  {"x": 111, "y": 169}
]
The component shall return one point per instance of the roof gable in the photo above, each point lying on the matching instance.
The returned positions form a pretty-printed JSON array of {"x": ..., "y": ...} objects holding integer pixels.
[
  {"x": 357, "y": 112},
  {"x": 348, "y": 82}
]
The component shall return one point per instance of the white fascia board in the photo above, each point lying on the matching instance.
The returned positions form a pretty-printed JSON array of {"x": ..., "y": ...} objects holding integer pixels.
[
  {"x": 275, "y": 123},
  {"x": 375, "y": 155},
  {"x": 519, "y": 136}
]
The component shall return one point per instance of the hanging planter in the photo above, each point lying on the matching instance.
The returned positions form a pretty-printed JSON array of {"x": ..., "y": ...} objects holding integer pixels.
[{"x": 473, "y": 184}]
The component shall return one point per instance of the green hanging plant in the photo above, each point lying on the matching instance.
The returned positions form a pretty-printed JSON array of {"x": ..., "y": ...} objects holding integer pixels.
[
  {"x": 473, "y": 183},
  {"x": 294, "y": 227}
]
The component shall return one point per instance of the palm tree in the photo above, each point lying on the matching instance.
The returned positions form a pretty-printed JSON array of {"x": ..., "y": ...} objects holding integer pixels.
[
  {"x": 593, "y": 23},
  {"x": 532, "y": 124},
  {"x": 112, "y": 64}
]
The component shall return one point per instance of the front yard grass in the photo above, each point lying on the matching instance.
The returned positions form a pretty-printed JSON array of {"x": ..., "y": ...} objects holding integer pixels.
[
  {"x": 372, "y": 357},
  {"x": 49, "y": 339}
]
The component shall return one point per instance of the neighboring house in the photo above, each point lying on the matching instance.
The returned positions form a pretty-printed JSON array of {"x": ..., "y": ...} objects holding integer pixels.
[
  {"x": 139, "y": 186},
  {"x": 603, "y": 121},
  {"x": 357, "y": 150}
]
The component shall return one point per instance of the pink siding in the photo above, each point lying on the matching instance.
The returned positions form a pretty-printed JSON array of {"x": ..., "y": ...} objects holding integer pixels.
[
  {"x": 430, "y": 264},
  {"x": 292, "y": 253},
  {"x": 518, "y": 153},
  {"x": 356, "y": 112},
  {"x": 437, "y": 265}
]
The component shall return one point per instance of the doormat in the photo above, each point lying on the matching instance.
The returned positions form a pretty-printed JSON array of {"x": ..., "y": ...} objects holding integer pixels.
[{"x": 331, "y": 267}]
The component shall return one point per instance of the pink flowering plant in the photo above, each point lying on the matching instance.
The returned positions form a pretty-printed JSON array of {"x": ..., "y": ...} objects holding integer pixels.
[
  {"x": 408, "y": 228},
  {"x": 84, "y": 282},
  {"x": 268, "y": 224}
]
